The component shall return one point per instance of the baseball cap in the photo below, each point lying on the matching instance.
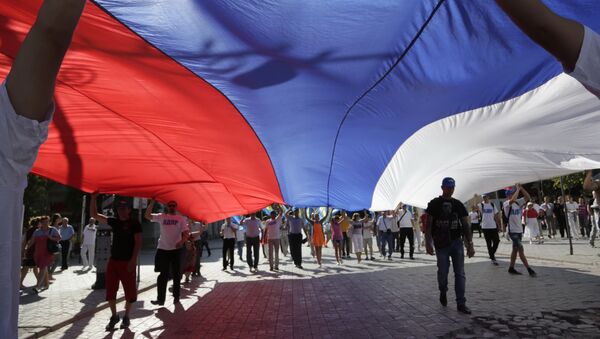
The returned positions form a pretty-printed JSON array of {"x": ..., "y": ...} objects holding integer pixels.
[{"x": 448, "y": 182}]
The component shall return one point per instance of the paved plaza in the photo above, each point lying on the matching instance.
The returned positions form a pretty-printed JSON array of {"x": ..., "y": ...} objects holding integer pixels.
[{"x": 374, "y": 299}]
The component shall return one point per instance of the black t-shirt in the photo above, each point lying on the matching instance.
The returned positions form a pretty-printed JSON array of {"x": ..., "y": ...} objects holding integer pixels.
[
  {"x": 447, "y": 215},
  {"x": 123, "y": 240}
]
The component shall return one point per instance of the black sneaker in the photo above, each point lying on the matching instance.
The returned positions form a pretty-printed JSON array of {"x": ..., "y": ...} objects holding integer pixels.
[
  {"x": 125, "y": 323},
  {"x": 157, "y": 302},
  {"x": 531, "y": 272},
  {"x": 463, "y": 309},
  {"x": 412, "y": 258},
  {"x": 443, "y": 299},
  {"x": 494, "y": 262},
  {"x": 112, "y": 322},
  {"x": 513, "y": 271}
]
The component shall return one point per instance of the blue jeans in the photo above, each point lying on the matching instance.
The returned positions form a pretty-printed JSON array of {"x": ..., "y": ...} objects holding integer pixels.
[
  {"x": 456, "y": 252},
  {"x": 386, "y": 238}
]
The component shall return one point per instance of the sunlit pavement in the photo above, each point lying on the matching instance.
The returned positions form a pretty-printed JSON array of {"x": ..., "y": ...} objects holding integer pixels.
[{"x": 376, "y": 299}]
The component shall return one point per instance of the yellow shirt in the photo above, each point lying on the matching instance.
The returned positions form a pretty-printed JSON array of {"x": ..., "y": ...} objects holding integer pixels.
[{"x": 345, "y": 225}]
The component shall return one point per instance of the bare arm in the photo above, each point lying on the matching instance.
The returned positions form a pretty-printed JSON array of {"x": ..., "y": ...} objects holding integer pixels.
[
  {"x": 525, "y": 194},
  {"x": 31, "y": 81},
  {"x": 327, "y": 215},
  {"x": 148, "y": 214},
  {"x": 559, "y": 36},
  {"x": 515, "y": 195},
  {"x": 94, "y": 210},
  {"x": 467, "y": 229},
  {"x": 55, "y": 237}
]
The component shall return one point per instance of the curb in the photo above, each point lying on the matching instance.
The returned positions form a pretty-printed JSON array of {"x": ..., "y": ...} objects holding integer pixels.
[{"x": 82, "y": 315}]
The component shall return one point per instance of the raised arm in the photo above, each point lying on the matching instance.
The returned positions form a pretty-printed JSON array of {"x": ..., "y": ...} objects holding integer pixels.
[
  {"x": 148, "y": 214},
  {"x": 516, "y": 194},
  {"x": 94, "y": 209},
  {"x": 525, "y": 193},
  {"x": 327, "y": 215},
  {"x": 559, "y": 36},
  {"x": 31, "y": 81}
]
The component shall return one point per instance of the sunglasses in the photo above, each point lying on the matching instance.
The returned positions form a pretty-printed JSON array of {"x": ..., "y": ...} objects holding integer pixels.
[{"x": 172, "y": 205}]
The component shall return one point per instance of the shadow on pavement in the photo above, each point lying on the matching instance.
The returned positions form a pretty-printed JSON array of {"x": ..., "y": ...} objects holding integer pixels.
[{"x": 393, "y": 302}]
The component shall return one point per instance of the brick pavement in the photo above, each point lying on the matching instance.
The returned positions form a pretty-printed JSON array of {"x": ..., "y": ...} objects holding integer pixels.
[{"x": 374, "y": 299}]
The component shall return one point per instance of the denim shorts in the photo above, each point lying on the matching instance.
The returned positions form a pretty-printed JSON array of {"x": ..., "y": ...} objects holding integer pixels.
[{"x": 516, "y": 240}]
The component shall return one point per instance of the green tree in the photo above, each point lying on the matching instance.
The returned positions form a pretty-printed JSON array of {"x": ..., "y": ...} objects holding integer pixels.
[
  {"x": 573, "y": 184},
  {"x": 36, "y": 196}
]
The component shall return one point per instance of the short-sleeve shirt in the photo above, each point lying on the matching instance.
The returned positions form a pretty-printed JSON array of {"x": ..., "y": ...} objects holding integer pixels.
[
  {"x": 406, "y": 220},
  {"x": 229, "y": 230},
  {"x": 357, "y": 227},
  {"x": 514, "y": 219},
  {"x": 441, "y": 209},
  {"x": 252, "y": 227},
  {"x": 386, "y": 222},
  {"x": 474, "y": 217},
  {"x": 587, "y": 69},
  {"x": 368, "y": 230},
  {"x": 239, "y": 234},
  {"x": 273, "y": 228},
  {"x": 50, "y": 232},
  {"x": 488, "y": 211},
  {"x": 123, "y": 238},
  {"x": 171, "y": 227},
  {"x": 295, "y": 225},
  {"x": 66, "y": 232},
  {"x": 548, "y": 209},
  {"x": 345, "y": 225},
  {"x": 20, "y": 140}
]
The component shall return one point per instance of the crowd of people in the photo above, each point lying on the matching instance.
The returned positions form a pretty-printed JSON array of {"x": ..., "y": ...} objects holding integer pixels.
[{"x": 26, "y": 107}]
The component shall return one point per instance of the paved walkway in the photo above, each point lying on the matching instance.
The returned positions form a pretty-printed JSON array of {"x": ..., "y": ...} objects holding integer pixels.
[{"x": 373, "y": 299}]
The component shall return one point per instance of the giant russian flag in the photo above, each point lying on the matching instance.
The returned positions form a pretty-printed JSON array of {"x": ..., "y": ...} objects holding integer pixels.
[{"x": 227, "y": 106}]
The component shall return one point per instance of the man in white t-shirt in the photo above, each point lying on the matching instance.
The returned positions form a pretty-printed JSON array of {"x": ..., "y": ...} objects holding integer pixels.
[
  {"x": 513, "y": 209},
  {"x": 253, "y": 228},
  {"x": 406, "y": 224},
  {"x": 228, "y": 232},
  {"x": 576, "y": 46},
  {"x": 490, "y": 226},
  {"x": 475, "y": 219},
  {"x": 385, "y": 224},
  {"x": 26, "y": 108},
  {"x": 88, "y": 244},
  {"x": 174, "y": 232},
  {"x": 273, "y": 230}
]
